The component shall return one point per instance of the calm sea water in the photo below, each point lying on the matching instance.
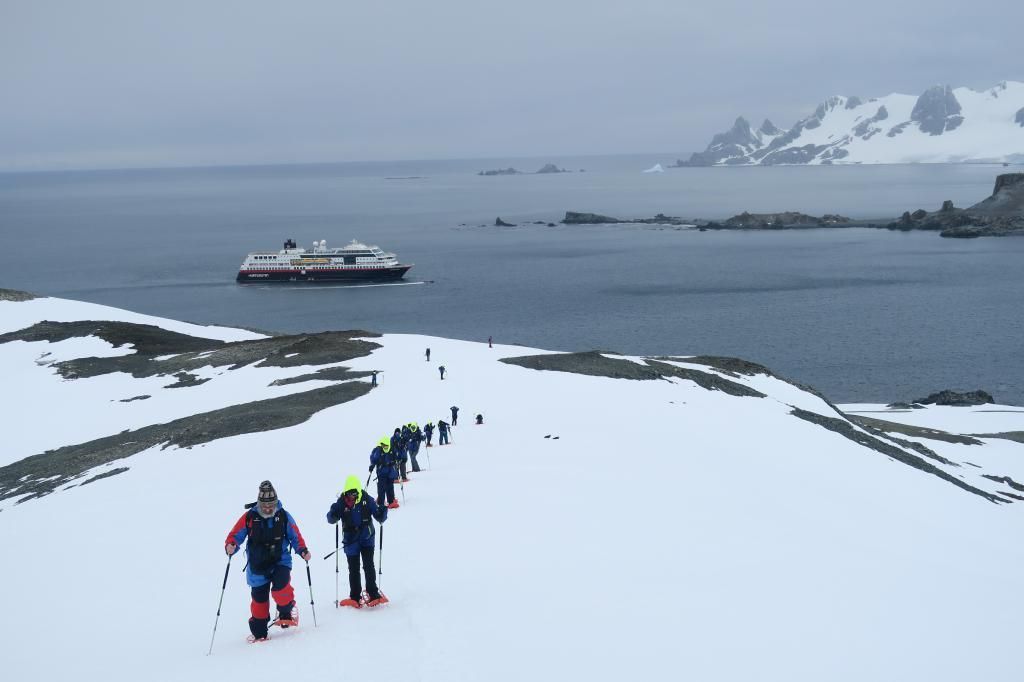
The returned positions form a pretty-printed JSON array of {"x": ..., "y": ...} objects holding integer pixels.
[{"x": 861, "y": 314}]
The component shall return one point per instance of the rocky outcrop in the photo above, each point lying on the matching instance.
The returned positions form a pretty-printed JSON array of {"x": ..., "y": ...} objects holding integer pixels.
[
  {"x": 498, "y": 222},
  {"x": 552, "y": 168},
  {"x": 1007, "y": 197},
  {"x": 778, "y": 221},
  {"x": 501, "y": 171},
  {"x": 1019, "y": 118},
  {"x": 1001, "y": 215},
  {"x": 954, "y": 398},
  {"x": 733, "y": 143},
  {"x": 937, "y": 110},
  {"x": 572, "y": 218},
  {"x": 769, "y": 128}
]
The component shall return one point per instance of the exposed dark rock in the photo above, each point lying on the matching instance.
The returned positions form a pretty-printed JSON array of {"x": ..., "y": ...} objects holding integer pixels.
[
  {"x": 594, "y": 363},
  {"x": 913, "y": 431},
  {"x": 785, "y": 220},
  {"x": 134, "y": 398},
  {"x": 847, "y": 430},
  {"x": 1015, "y": 436},
  {"x": 14, "y": 295},
  {"x": 498, "y": 222},
  {"x": 1005, "y": 479},
  {"x": 1007, "y": 197},
  {"x": 948, "y": 397},
  {"x": 501, "y": 171},
  {"x": 326, "y": 374},
  {"x": 551, "y": 224},
  {"x": 865, "y": 129},
  {"x": 573, "y": 218},
  {"x": 735, "y": 142},
  {"x": 189, "y": 353},
  {"x": 106, "y": 474},
  {"x": 552, "y": 168},
  {"x": 769, "y": 128},
  {"x": 897, "y": 129},
  {"x": 803, "y": 154},
  {"x": 936, "y": 110},
  {"x": 41, "y": 474},
  {"x": 1019, "y": 118},
  {"x": 853, "y": 102}
]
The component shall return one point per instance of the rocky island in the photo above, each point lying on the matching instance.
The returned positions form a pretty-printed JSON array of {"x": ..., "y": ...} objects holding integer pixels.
[{"x": 1000, "y": 215}]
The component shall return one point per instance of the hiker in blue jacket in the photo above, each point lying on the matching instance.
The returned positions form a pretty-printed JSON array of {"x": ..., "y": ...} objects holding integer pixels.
[
  {"x": 415, "y": 438},
  {"x": 442, "y": 432},
  {"x": 383, "y": 459},
  {"x": 356, "y": 510}
]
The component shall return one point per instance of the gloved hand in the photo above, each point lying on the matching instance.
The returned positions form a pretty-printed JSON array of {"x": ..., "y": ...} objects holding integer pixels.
[
  {"x": 230, "y": 548},
  {"x": 371, "y": 467},
  {"x": 304, "y": 553}
]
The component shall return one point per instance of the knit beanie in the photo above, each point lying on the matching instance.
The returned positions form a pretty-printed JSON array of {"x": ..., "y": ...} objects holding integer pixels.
[{"x": 267, "y": 494}]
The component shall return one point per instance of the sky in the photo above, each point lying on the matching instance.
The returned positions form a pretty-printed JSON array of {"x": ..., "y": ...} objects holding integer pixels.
[{"x": 107, "y": 84}]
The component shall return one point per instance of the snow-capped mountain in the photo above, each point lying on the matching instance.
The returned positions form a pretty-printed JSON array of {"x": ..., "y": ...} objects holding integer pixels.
[
  {"x": 942, "y": 125},
  {"x": 614, "y": 517}
]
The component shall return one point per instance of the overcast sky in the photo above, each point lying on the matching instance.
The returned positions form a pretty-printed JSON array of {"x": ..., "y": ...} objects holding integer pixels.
[{"x": 98, "y": 84}]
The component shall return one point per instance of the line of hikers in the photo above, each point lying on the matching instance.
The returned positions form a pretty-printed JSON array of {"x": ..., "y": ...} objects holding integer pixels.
[{"x": 272, "y": 535}]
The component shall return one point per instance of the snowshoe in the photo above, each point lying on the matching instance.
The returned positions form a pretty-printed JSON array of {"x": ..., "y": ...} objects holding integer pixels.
[
  {"x": 252, "y": 639},
  {"x": 394, "y": 505},
  {"x": 379, "y": 601},
  {"x": 354, "y": 603},
  {"x": 404, "y": 480},
  {"x": 292, "y": 621}
]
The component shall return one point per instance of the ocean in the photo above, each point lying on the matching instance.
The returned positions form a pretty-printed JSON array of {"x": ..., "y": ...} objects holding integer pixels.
[{"x": 860, "y": 314}]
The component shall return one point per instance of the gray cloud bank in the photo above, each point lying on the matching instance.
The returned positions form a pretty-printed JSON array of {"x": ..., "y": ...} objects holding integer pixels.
[{"x": 121, "y": 84}]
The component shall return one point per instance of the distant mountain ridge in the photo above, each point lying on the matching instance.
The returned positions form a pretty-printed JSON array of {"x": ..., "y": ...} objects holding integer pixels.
[{"x": 942, "y": 125}]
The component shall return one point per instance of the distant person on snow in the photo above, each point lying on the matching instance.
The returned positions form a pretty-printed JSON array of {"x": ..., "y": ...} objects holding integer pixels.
[
  {"x": 355, "y": 509},
  {"x": 440, "y": 369},
  {"x": 415, "y": 438},
  {"x": 271, "y": 535},
  {"x": 382, "y": 458},
  {"x": 442, "y": 432},
  {"x": 428, "y": 431},
  {"x": 455, "y": 416},
  {"x": 479, "y": 419},
  {"x": 489, "y": 342},
  {"x": 428, "y": 355}
]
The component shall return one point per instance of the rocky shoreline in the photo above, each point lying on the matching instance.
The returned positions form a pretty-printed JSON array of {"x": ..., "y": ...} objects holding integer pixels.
[{"x": 1000, "y": 215}]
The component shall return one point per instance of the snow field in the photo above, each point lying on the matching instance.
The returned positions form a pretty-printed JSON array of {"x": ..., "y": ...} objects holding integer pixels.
[{"x": 669, "y": 531}]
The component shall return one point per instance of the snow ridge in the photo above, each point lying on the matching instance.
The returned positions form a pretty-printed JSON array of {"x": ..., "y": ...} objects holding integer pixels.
[{"x": 942, "y": 125}]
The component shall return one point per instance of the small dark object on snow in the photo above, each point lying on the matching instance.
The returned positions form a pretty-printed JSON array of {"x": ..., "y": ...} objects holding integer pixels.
[{"x": 479, "y": 419}]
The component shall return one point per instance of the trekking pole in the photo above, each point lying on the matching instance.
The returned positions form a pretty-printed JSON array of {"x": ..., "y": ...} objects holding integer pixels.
[
  {"x": 380, "y": 564},
  {"x": 336, "y": 565},
  {"x": 222, "y": 588},
  {"x": 401, "y": 484},
  {"x": 309, "y": 579}
]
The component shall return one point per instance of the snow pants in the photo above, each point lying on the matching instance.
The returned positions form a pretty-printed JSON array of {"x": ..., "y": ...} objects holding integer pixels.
[
  {"x": 280, "y": 587},
  {"x": 413, "y": 451},
  {"x": 402, "y": 471},
  {"x": 442, "y": 439},
  {"x": 385, "y": 488},
  {"x": 355, "y": 589}
]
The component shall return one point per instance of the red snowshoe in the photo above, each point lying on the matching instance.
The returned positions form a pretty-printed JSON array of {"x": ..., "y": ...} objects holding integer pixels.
[
  {"x": 290, "y": 622},
  {"x": 251, "y": 639},
  {"x": 355, "y": 604},
  {"x": 394, "y": 505}
]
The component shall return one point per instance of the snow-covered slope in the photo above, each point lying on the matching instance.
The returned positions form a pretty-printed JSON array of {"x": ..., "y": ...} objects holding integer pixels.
[
  {"x": 613, "y": 518},
  {"x": 943, "y": 125}
]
